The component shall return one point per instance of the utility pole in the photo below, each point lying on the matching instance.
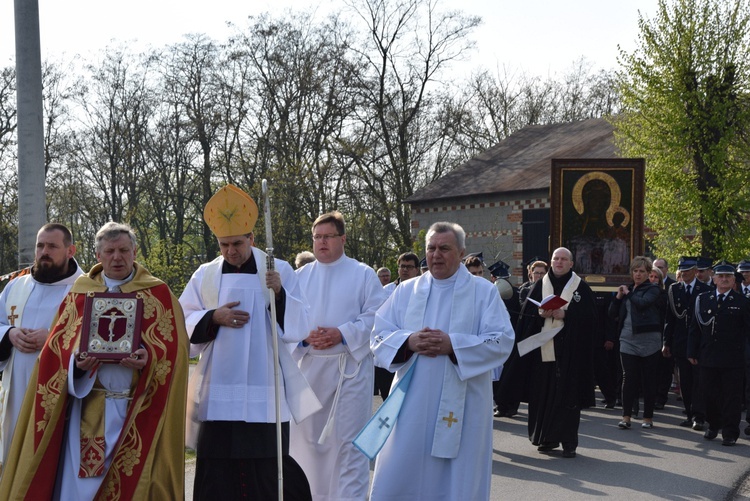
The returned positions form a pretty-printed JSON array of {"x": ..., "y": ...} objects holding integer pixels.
[{"x": 31, "y": 172}]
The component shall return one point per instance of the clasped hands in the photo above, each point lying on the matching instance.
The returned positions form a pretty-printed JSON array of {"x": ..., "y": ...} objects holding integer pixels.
[
  {"x": 324, "y": 337},
  {"x": 430, "y": 342},
  {"x": 27, "y": 340}
]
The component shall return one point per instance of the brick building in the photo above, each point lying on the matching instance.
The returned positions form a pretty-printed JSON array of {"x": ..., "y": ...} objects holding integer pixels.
[{"x": 501, "y": 197}]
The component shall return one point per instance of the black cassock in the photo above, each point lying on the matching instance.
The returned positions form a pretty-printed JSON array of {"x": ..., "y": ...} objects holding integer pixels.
[{"x": 556, "y": 391}]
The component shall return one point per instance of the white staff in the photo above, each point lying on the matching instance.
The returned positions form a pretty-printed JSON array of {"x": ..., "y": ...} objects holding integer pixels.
[{"x": 274, "y": 334}]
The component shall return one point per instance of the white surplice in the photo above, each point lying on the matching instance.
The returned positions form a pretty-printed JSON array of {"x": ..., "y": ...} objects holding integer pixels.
[
  {"x": 343, "y": 294},
  {"x": 234, "y": 379},
  {"x": 36, "y": 306},
  {"x": 415, "y": 463}
]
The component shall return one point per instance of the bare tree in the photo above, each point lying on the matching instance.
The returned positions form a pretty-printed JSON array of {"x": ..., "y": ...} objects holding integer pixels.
[
  {"x": 303, "y": 83},
  {"x": 108, "y": 143},
  {"x": 409, "y": 43},
  {"x": 8, "y": 121}
]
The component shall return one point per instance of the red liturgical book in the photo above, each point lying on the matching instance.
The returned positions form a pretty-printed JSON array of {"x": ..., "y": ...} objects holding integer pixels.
[{"x": 551, "y": 302}]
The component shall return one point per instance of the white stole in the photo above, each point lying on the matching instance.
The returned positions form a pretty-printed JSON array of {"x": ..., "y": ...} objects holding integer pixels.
[
  {"x": 450, "y": 418},
  {"x": 548, "y": 348},
  {"x": 18, "y": 296}
]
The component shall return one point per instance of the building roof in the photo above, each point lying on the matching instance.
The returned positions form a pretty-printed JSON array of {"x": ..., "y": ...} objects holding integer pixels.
[{"x": 522, "y": 161}]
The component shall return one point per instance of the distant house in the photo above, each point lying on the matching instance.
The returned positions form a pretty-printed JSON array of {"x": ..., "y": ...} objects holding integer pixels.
[{"x": 501, "y": 197}]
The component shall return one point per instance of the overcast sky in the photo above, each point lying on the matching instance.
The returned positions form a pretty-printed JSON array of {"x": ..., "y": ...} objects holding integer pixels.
[{"x": 541, "y": 37}]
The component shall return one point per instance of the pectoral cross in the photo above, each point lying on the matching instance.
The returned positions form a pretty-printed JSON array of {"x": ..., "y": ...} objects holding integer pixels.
[
  {"x": 12, "y": 317},
  {"x": 383, "y": 422},
  {"x": 450, "y": 419}
]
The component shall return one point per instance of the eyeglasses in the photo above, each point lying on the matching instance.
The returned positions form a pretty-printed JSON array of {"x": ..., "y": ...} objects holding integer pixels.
[
  {"x": 406, "y": 267},
  {"x": 323, "y": 238}
]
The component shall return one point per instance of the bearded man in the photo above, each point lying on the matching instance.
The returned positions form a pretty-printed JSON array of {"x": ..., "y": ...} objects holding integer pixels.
[{"x": 30, "y": 303}]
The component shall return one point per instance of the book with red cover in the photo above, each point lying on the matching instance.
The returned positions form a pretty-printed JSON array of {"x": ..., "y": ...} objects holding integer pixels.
[{"x": 551, "y": 302}]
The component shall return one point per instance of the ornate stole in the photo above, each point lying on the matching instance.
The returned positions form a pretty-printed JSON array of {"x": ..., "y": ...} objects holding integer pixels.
[{"x": 548, "y": 348}]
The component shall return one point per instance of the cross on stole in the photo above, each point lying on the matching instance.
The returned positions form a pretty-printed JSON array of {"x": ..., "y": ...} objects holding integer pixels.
[
  {"x": 12, "y": 317},
  {"x": 450, "y": 419}
]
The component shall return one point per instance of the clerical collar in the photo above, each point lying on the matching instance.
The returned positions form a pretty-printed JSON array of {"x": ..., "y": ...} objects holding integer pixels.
[
  {"x": 72, "y": 268},
  {"x": 445, "y": 282},
  {"x": 559, "y": 283},
  {"x": 332, "y": 263},
  {"x": 114, "y": 282},
  {"x": 250, "y": 267}
]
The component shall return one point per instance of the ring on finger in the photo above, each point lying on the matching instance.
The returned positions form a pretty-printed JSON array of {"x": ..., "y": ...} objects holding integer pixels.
[{"x": 234, "y": 321}]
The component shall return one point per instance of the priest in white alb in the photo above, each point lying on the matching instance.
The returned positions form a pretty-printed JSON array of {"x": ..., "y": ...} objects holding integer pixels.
[
  {"x": 335, "y": 357},
  {"x": 445, "y": 330},
  {"x": 30, "y": 303}
]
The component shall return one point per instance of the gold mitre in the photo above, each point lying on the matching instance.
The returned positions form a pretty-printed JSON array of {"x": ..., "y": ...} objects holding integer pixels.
[{"x": 230, "y": 212}]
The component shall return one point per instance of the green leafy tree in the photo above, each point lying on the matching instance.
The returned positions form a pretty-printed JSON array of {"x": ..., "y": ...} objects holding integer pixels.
[{"x": 685, "y": 101}]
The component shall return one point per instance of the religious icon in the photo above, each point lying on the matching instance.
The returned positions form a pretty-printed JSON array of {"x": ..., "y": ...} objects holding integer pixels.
[
  {"x": 597, "y": 213},
  {"x": 111, "y": 325}
]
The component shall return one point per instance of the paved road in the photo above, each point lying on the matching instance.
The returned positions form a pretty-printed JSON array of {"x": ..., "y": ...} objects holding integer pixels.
[{"x": 666, "y": 462}]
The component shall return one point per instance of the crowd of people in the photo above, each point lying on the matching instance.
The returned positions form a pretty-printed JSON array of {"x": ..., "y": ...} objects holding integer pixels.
[{"x": 96, "y": 402}]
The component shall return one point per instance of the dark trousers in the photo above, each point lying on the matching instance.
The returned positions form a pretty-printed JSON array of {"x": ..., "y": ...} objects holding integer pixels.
[
  {"x": 690, "y": 390},
  {"x": 639, "y": 373},
  {"x": 605, "y": 372},
  {"x": 722, "y": 389},
  {"x": 252, "y": 479},
  {"x": 665, "y": 372},
  {"x": 383, "y": 381}
]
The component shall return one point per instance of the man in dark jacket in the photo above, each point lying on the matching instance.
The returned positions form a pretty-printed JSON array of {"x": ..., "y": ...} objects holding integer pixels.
[
  {"x": 666, "y": 364},
  {"x": 681, "y": 301},
  {"x": 716, "y": 343}
]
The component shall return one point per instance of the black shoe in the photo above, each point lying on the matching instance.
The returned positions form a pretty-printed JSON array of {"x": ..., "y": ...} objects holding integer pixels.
[
  {"x": 658, "y": 406},
  {"x": 569, "y": 453},
  {"x": 547, "y": 446},
  {"x": 496, "y": 413},
  {"x": 747, "y": 430},
  {"x": 710, "y": 434},
  {"x": 687, "y": 423},
  {"x": 623, "y": 425},
  {"x": 699, "y": 425},
  {"x": 609, "y": 405},
  {"x": 729, "y": 441}
]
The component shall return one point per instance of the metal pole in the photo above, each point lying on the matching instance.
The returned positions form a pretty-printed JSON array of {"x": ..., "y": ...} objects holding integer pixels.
[{"x": 275, "y": 342}]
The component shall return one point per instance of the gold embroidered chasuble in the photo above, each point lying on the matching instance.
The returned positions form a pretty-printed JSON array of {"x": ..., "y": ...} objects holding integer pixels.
[{"x": 148, "y": 459}]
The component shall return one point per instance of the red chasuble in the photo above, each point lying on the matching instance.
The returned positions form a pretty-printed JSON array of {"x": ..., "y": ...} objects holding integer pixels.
[{"x": 148, "y": 460}]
